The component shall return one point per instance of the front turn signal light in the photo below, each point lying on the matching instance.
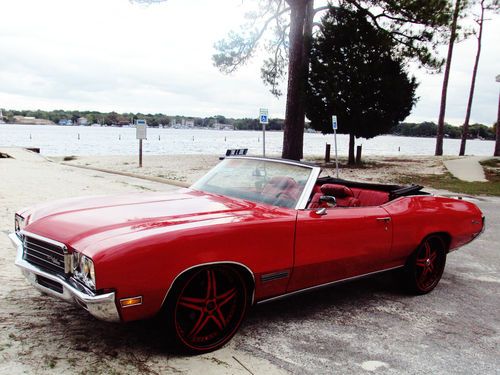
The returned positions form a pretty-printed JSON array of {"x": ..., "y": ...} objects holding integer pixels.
[{"x": 129, "y": 302}]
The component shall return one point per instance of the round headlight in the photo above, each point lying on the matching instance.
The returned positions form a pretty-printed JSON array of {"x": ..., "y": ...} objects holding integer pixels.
[{"x": 83, "y": 269}]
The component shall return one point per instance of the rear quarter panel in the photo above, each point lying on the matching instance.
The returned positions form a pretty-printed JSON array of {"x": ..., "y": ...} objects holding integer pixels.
[{"x": 416, "y": 217}]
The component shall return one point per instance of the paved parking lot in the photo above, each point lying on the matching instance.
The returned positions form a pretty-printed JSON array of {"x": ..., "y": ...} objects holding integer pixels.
[{"x": 367, "y": 326}]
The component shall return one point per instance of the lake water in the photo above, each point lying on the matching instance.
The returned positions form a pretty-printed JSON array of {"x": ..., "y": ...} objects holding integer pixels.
[{"x": 84, "y": 140}]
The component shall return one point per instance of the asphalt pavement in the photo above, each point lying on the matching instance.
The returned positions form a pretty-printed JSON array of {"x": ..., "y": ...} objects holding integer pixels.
[
  {"x": 372, "y": 326},
  {"x": 366, "y": 326}
]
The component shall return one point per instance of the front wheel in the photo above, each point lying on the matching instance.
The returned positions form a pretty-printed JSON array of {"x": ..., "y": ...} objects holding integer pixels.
[
  {"x": 208, "y": 308},
  {"x": 425, "y": 266}
]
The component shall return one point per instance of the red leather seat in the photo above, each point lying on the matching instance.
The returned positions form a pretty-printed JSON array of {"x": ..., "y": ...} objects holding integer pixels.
[
  {"x": 370, "y": 197},
  {"x": 343, "y": 195}
]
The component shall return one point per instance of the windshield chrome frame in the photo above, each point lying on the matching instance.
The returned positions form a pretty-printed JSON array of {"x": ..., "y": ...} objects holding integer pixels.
[{"x": 308, "y": 187}]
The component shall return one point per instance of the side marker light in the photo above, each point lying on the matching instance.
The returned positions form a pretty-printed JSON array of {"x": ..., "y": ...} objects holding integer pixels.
[{"x": 129, "y": 302}]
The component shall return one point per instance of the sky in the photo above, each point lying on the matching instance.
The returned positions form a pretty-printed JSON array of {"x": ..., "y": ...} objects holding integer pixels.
[{"x": 118, "y": 55}]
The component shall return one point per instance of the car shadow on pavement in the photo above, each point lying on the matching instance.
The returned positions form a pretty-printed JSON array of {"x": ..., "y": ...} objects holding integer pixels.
[
  {"x": 350, "y": 294},
  {"x": 52, "y": 322}
]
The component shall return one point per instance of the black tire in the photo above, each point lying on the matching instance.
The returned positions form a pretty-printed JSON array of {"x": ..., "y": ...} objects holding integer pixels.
[
  {"x": 207, "y": 308},
  {"x": 425, "y": 266}
]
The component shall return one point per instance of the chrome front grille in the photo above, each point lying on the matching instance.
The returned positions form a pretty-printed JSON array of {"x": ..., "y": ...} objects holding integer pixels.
[{"x": 46, "y": 254}]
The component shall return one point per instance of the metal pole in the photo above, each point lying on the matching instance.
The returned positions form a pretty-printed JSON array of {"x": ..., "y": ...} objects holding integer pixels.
[
  {"x": 140, "y": 153},
  {"x": 263, "y": 140},
  {"x": 336, "y": 156}
]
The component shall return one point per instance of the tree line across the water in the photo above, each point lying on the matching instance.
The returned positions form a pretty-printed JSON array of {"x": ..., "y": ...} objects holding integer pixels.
[{"x": 423, "y": 129}]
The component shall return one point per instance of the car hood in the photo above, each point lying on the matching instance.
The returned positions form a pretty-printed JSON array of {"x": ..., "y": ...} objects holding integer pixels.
[{"x": 79, "y": 222}]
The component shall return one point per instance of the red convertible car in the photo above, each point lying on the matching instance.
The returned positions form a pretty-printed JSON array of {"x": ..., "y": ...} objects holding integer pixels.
[{"x": 253, "y": 229}]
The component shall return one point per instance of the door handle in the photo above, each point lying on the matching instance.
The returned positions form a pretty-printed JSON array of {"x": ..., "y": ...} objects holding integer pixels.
[{"x": 385, "y": 219}]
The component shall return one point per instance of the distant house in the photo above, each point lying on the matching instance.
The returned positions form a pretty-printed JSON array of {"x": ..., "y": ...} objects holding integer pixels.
[
  {"x": 65, "y": 122},
  {"x": 218, "y": 126},
  {"x": 82, "y": 121}
]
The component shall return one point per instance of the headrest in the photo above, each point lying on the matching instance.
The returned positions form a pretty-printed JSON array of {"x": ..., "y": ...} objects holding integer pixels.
[{"x": 339, "y": 191}]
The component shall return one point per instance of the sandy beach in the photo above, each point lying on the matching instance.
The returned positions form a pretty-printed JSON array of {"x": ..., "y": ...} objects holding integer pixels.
[
  {"x": 186, "y": 169},
  {"x": 43, "y": 335},
  {"x": 362, "y": 327}
]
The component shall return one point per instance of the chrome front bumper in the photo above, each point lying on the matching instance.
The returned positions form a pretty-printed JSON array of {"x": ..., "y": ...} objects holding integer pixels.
[{"x": 101, "y": 306}]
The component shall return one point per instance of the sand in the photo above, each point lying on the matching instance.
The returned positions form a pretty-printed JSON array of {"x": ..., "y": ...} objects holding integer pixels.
[
  {"x": 186, "y": 169},
  {"x": 43, "y": 335}
]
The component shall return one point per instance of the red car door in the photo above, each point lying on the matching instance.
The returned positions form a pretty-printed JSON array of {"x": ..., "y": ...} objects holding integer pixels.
[{"x": 345, "y": 242}]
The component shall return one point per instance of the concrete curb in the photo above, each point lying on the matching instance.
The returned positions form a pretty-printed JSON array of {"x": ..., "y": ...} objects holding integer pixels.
[{"x": 127, "y": 174}]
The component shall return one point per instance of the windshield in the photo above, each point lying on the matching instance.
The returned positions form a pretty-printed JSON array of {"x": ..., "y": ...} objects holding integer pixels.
[{"x": 266, "y": 181}]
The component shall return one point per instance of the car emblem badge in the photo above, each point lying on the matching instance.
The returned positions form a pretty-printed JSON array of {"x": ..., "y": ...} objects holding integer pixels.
[{"x": 54, "y": 260}]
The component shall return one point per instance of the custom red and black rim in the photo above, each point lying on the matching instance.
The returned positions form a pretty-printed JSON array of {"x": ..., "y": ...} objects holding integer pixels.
[
  {"x": 209, "y": 308},
  {"x": 429, "y": 263}
]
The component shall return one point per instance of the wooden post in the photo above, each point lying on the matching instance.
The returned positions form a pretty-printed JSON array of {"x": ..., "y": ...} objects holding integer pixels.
[
  {"x": 327, "y": 153},
  {"x": 140, "y": 153},
  {"x": 358, "y": 154}
]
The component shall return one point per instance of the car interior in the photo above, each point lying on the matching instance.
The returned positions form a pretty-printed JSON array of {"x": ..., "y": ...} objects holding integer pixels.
[{"x": 356, "y": 194}]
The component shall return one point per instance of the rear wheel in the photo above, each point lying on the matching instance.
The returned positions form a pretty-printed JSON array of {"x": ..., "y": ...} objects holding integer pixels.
[
  {"x": 208, "y": 308},
  {"x": 426, "y": 265}
]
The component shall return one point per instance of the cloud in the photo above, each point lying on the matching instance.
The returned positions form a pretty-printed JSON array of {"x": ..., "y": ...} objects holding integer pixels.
[{"x": 116, "y": 55}]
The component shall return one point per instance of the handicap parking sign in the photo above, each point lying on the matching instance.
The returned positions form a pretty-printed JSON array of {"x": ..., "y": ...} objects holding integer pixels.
[{"x": 263, "y": 116}]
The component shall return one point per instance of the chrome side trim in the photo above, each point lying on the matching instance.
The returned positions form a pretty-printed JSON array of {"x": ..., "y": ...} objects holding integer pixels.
[
  {"x": 300, "y": 291},
  {"x": 209, "y": 264},
  {"x": 274, "y": 276},
  {"x": 306, "y": 193},
  {"x": 101, "y": 306}
]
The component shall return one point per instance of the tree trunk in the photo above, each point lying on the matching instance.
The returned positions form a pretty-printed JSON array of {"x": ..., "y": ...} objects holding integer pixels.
[
  {"x": 465, "y": 129},
  {"x": 442, "y": 110},
  {"x": 497, "y": 142},
  {"x": 293, "y": 137},
  {"x": 351, "y": 160}
]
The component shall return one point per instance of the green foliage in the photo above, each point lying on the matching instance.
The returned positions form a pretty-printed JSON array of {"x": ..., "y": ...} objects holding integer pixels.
[
  {"x": 447, "y": 182},
  {"x": 416, "y": 26},
  {"x": 429, "y": 129},
  {"x": 356, "y": 76}
]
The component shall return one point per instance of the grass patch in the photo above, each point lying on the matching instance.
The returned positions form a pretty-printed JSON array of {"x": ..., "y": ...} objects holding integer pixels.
[{"x": 447, "y": 182}]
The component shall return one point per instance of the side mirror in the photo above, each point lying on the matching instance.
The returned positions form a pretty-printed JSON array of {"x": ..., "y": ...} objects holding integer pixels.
[
  {"x": 328, "y": 199},
  {"x": 331, "y": 201}
]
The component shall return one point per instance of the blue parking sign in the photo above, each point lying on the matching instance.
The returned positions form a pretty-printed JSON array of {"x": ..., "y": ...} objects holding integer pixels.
[
  {"x": 334, "y": 122},
  {"x": 263, "y": 116}
]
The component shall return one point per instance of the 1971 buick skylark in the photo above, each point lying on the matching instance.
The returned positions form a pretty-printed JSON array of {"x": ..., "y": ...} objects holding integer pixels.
[{"x": 251, "y": 230}]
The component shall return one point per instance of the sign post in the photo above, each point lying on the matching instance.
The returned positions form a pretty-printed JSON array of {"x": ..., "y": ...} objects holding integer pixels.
[
  {"x": 334, "y": 126},
  {"x": 264, "y": 119},
  {"x": 140, "y": 133}
]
